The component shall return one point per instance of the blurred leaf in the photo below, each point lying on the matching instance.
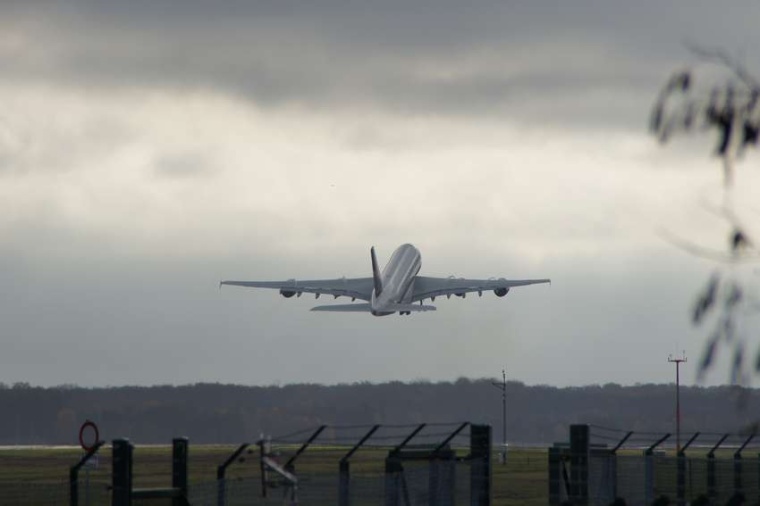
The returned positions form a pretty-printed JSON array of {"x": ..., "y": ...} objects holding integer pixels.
[
  {"x": 706, "y": 300},
  {"x": 737, "y": 364},
  {"x": 738, "y": 240},
  {"x": 711, "y": 111},
  {"x": 655, "y": 122},
  {"x": 728, "y": 329},
  {"x": 750, "y": 134},
  {"x": 725, "y": 124},
  {"x": 689, "y": 116},
  {"x": 685, "y": 80},
  {"x": 708, "y": 354},
  {"x": 734, "y": 297}
]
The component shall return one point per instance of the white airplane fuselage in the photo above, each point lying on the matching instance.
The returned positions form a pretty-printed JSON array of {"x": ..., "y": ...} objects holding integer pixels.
[
  {"x": 397, "y": 280},
  {"x": 398, "y": 288}
]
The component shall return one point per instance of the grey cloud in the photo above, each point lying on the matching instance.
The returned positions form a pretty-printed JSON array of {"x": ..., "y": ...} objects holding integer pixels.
[
  {"x": 34, "y": 144},
  {"x": 92, "y": 300},
  {"x": 183, "y": 165},
  {"x": 10, "y": 143},
  {"x": 338, "y": 54}
]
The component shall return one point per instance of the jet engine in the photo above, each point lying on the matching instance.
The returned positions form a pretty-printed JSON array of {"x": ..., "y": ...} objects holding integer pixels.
[
  {"x": 501, "y": 292},
  {"x": 287, "y": 293}
]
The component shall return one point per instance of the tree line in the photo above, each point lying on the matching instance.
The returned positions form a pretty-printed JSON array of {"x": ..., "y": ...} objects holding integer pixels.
[{"x": 223, "y": 413}]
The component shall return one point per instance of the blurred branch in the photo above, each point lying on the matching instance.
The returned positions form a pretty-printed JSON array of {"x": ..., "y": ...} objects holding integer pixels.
[
  {"x": 721, "y": 57},
  {"x": 731, "y": 112}
]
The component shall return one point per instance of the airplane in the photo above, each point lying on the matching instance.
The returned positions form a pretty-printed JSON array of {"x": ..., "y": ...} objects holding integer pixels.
[{"x": 395, "y": 290}]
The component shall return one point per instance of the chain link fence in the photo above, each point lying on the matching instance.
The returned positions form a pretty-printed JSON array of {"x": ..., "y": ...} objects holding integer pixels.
[
  {"x": 602, "y": 465},
  {"x": 345, "y": 465},
  {"x": 713, "y": 466}
]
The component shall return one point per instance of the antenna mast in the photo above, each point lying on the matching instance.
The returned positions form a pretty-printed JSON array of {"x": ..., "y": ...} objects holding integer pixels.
[
  {"x": 503, "y": 387},
  {"x": 678, "y": 362}
]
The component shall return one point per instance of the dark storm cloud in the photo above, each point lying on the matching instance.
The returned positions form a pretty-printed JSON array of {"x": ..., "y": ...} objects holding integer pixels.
[{"x": 488, "y": 58}]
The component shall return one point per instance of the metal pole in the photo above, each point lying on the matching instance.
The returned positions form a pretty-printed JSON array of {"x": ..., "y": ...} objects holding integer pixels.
[
  {"x": 74, "y": 475},
  {"x": 480, "y": 465},
  {"x": 180, "y": 450},
  {"x": 504, "y": 412},
  {"x": 221, "y": 470},
  {"x": 678, "y": 408},
  {"x": 503, "y": 387},
  {"x": 678, "y": 361},
  {"x": 344, "y": 466}
]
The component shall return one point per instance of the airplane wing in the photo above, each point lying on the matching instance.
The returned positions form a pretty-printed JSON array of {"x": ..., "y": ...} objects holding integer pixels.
[
  {"x": 356, "y": 288},
  {"x": 429, "y": 288}
]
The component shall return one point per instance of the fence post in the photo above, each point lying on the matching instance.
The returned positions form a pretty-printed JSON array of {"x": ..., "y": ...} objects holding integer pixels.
[
  {"x": 680, "y": 477},
  {"x": 345, "y": 467},
  {"x": 179, "y": 469},
  {"x": 263, "y": 451},
  {"x": 712, "y": 485},
  {"x": 612, "y": 468},
  {"x": 344, "y": 483},
  {"x": 712, "y": 482},
  {"x": 614, "y": 464},
  {"x": 648, "y": 478},
  {"x": 649, "y": 469},
  {"x": 554, "y": 475},
  {"x": 121, "y": 482},
  {"x": 480, "y": 467},
  {"x": 74, "y": 473},
  {"x": 221, "y": 470},
  {"x": 579, "y": 460},
  {"x": 73, "y": 487},
  {"x": 393, "y": 469},
  {"x": 737, "y": 473},
  {"x": 738, "y": 483},
  {"x": 681, "y": 470}
]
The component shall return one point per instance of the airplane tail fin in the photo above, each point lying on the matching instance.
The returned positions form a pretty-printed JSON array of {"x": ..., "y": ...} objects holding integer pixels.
[
  {"x": 345, "y": 308},
  {"x": 376, "y": 272}
]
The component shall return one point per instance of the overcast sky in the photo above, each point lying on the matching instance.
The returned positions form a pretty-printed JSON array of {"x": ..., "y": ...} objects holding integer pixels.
[{"x": 149, "y": 149}]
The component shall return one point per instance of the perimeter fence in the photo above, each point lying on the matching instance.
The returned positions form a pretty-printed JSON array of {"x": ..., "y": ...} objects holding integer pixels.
[
  {"x": 394, "y": 465},
  {"x": 599, "y": 465},
  {"x": 388, "y": 465},
  {"x": 367, "y": 465}
]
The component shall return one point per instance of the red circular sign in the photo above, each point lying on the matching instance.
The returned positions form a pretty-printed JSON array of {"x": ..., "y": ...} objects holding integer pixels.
[{"x": 91, "y": 425}]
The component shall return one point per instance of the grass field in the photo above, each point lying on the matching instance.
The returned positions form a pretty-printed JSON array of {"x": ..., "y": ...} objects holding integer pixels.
[
  {"x": 36, "y": 476},
  {"x": 40, "y": 475}
]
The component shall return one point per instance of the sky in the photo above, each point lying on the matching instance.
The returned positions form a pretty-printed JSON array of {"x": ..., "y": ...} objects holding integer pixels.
[{"x": 150, "y": 149}]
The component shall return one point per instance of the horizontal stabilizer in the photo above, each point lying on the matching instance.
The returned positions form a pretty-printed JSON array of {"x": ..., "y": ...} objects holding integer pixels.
[
  {"x": 366, "y": 308},
  {"x": 410, "y": 307},
  {"x": 345, "y": 308}
]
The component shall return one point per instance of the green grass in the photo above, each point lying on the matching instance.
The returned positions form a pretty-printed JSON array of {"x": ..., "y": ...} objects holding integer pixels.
[
  {"x": 523, "y": 479},
  {"x": 40, "y": 475}
]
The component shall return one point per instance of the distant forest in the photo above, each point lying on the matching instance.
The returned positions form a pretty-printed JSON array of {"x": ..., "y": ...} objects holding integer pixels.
[{"x": 218, "y": 413}]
